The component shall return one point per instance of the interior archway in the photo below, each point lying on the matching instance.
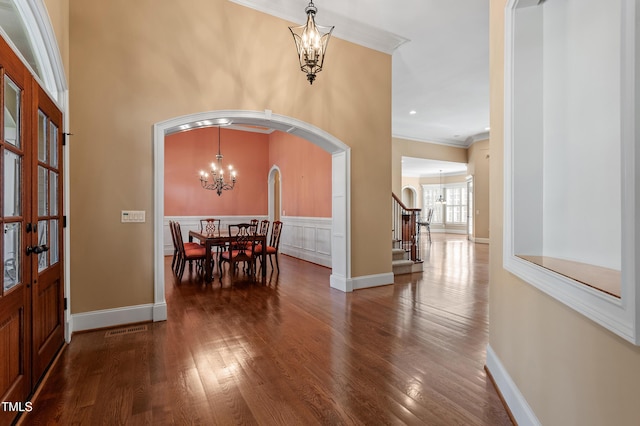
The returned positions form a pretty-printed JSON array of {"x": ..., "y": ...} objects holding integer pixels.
[
  {"x": 409, "y": 197},
  {"x": 340, "y": 195},
  {"x": 275, "y": 191}
]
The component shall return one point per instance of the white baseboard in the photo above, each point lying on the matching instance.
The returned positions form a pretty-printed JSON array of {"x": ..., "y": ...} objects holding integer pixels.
[
  {"x": 341, "y": 283},
  {"x": 357, "y": 283},
  {"x": 520, "y": 409},
  {"x": 112, "y": 317},
  {"x": 447, "y": 230},
  {"x": 481, "y": 240},
  {"x": 368, "y": 281},
  {"x": 160, "y": 312}
]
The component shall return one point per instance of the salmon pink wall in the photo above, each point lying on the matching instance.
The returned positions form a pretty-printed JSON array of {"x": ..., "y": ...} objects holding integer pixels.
[
  {"x": 186, "y": 153},
  {"x": 305, "y": 173}
]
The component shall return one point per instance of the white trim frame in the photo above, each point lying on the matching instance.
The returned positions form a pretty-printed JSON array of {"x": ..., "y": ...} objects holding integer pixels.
[
  {"x": 341, "y": 178},
  {"x": 45, "y": 47},
  {"x": 619, "y": 315}
]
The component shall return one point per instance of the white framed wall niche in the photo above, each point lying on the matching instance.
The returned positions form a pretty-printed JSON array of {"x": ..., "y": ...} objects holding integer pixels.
[{"x": 571, "y": 105}]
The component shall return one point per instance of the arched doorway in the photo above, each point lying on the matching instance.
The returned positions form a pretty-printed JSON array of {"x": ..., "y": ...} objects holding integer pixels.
[
  {"x": 275, "y": 205},
  {"x": 409, "y": 197},
  {"x": 341, "y": 227}
]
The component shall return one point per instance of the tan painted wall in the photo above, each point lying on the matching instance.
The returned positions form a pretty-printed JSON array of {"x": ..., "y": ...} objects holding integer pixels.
[
  {"x": 133, "y": 64},
  {"x": 408, "y": 148},
  {"x": 570, "y": 370},
  {"x": 479, "y": 161}
]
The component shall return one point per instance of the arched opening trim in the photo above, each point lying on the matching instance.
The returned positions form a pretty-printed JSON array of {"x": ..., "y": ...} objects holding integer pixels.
[{"x": 341, "y": 177}]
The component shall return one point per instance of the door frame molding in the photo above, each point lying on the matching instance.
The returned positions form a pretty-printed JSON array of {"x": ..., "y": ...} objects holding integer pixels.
[{"x": 42, "y": 38}]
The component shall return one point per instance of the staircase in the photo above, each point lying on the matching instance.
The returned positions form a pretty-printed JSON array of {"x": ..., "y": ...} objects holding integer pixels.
[
  {"x": 400, "y": 263},
  {"x": 405, "y": 250}
]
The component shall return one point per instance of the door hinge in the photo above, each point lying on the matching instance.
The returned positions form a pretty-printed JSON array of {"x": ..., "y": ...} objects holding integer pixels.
[
  {"x": 64, "y": 221},
  {"x": 65, "y": 303},
  {"x": 66, "y": 136}
]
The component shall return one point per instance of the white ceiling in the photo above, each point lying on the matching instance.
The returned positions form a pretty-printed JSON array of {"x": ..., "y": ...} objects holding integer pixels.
[{"x": 420, "y": 167}]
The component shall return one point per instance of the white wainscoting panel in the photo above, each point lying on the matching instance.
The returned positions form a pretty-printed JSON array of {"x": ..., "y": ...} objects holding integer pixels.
[{"x": 307, "y": 238}]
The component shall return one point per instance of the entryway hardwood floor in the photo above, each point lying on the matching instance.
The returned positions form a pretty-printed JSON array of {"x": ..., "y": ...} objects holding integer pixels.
[{"x": 293, "y": 351}]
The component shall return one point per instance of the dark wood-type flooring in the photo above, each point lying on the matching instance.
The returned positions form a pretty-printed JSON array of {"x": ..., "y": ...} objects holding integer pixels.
[{"x": 293, "y": 351}]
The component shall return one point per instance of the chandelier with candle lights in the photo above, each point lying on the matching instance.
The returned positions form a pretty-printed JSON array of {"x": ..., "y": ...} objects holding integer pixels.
[{"x": 218, "y": 182}]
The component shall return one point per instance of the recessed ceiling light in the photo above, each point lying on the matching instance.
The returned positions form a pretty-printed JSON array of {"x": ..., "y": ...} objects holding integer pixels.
[
  {"x": 413, "y": 112},
  {"x": 487, "y": 128}
]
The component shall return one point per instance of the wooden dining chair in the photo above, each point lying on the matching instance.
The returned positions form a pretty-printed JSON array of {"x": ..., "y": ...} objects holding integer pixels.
[
  {"x": 241, "y": 248},
  {"x": 188, "y": 252},
  {"x": 211, "y": 226},
  {"x": 254, "y": 225},
  {"x": 174, "y": 259},
  {"x": 273, "y": 247},
  {"x": 264, "y": 227}
]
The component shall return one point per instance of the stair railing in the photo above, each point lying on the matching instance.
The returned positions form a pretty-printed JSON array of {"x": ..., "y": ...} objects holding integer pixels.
[{"x": 406, "y": 228}]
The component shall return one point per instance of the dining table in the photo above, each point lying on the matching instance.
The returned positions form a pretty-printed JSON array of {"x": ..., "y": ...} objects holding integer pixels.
[{"x": 212, "y": 240}]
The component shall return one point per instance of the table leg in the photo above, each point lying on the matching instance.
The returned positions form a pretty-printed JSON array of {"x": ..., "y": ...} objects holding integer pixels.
[
  {"x": 208, "y": 262},
  {"x": 264, "y": 259}
]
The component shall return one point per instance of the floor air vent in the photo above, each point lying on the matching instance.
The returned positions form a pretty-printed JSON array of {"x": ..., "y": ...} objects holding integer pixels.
[{"x": 127, "y": 330}]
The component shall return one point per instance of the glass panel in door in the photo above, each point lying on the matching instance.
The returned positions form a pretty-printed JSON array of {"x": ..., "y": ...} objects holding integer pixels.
[
  {"x": 12, "y": 107},
  {"x": 46, "y": 243},
  {"x": 15, "y": 346},
  {"x": 12, "y": 260}
]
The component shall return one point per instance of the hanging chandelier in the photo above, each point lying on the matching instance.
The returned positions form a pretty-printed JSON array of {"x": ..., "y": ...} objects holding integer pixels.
[
  {"x": 218, "y": 183},
  {"x": 441, "y": 199},
  {"x": 311, "y": 43}
]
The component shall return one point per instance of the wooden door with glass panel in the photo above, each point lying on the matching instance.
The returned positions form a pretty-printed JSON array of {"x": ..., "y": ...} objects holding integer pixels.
[
  {"x": 46, "y": 237},
  {"x": 15, "y": 292}
]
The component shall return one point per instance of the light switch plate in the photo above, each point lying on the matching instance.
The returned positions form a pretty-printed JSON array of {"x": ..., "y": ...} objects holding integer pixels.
[{"x": 132, "y": 216}]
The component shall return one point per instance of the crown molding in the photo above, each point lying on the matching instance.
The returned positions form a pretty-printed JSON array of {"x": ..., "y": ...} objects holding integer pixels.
[{"x": 345, "y": 27}]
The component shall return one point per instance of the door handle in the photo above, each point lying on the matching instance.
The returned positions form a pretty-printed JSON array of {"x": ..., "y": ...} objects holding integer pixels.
[{"x": 37, "y": 249}]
